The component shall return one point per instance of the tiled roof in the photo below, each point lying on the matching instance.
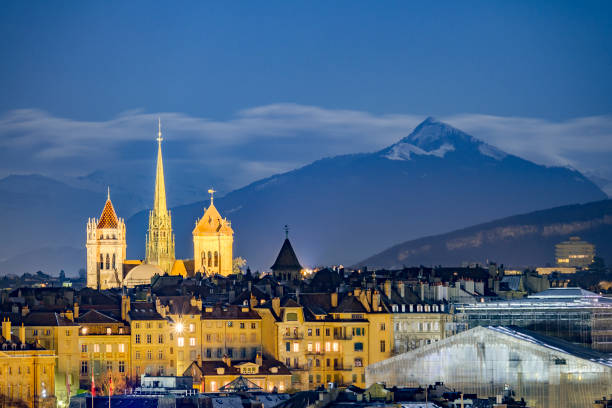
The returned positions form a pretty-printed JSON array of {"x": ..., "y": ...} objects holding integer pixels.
[
  {"x": 180, "y": 305},
  {"x": 93, "y": 316},
  {"x": 47, "y": 319},
  {"x": 144, "y": 311},
  {"x": 210, "y": 367},
  {"x": 286, "y": 258},
  {"x": 229, "y": 312},
  {"x": 350, "y": 304},
  {"x": 108, "y": 218},
  {"x": 212, "y": 223}
]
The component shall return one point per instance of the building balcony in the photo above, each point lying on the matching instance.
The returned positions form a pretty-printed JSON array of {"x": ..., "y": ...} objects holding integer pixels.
[
  {"x": 343, "y": 368},
  {"x": 293, "y": 337},
  {"x": 343, "y": 336}
]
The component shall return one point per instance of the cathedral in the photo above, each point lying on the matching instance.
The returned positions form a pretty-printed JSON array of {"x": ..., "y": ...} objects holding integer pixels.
[{"x": 107, "y": 267}]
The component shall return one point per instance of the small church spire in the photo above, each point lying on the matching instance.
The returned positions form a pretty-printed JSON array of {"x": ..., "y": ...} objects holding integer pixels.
[
  {"x": 108, "y": 193},
  {"x": 211, "y": 191},
  {"x": 159, "y": 134},
  {"x": 286, "y": 231}
]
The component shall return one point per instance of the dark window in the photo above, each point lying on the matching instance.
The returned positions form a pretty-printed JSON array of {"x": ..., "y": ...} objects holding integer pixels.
[
  {"x": 358, "y": 346},
  {"x": 287, "y": 346}
]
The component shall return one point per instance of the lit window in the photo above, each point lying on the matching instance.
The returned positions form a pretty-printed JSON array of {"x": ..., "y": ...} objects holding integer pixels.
[
  {"x": 191, "y": 327},
  {"x": 96, "y": 348},
  {"x": 109, "y": 348},
  {"x": 181, "y": 341},
  {"x": 327, "y": 346},
  {"x": 335, "y": 346},
  {"x": 317, "y": 347},
  {"x": 296, "y": 347},
  {"x": 83, "y": 330},
  {"x": 108, "y": 330},
  {"x": 213, "y": 386},
  {"x": 122, "y": 348},
  {"x": 309, "y": 347},
  {"x": 192, "y": 341}
]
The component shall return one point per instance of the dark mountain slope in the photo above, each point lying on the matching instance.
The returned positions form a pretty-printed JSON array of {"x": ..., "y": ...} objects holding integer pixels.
[{"x": 522, "y": 240}]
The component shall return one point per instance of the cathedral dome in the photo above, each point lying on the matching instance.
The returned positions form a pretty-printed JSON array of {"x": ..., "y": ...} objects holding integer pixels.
[{"x": 141, "y": 275}]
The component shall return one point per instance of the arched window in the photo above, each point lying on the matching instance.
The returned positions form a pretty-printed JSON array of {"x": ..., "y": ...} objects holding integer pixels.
[
  {"x": 216, "y": 258},
  {"x": 101, "y": 261},
  {"x": 209, "y": 259},
  {"x": 107, "y": 261},
  {"x": 203, "y": 258},
  {"x": 114, "y": 261}
]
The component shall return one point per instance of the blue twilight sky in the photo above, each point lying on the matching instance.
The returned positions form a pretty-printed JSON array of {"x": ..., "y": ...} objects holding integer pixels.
[
  {"x": 97, "y": 71},
  {"x": 93, "y": 60}
]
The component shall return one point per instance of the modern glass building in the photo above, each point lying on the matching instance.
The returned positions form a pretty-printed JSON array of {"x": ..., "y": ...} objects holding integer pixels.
[
  {"x": 575, "y": 253},
  {"x": 547, "y": 372},
  {"x": 573, "y": 314}
]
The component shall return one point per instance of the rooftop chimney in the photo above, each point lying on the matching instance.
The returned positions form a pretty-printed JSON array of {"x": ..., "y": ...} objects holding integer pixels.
[
  {"x": 6, "y": 329},
  {"x": 125, "y": 307},
  {"x": 387, "y": 288},
  {"x": 22, "y": 338},
  {"x": 334, "y": 299}
]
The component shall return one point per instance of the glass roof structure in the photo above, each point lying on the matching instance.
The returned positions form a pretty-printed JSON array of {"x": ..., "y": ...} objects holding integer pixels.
[{"x": 548, "y": 372}]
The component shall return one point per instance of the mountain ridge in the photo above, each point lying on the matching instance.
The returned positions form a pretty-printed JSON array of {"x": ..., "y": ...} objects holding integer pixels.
[{"x": 523, "y": 240}]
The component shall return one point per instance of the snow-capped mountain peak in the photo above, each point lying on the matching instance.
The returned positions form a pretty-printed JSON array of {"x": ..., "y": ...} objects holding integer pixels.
[{"x": 435, "y": 138}]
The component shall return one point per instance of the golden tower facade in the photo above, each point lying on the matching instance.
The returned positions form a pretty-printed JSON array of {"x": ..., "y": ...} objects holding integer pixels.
[
  {"x": 213, "y": 240},
  {"x": 160, "y": 239},
  {"x": 106, "y": 249}
]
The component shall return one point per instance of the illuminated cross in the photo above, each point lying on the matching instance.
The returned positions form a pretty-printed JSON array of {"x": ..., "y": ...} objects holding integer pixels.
[{"x": 211, "y": 191}]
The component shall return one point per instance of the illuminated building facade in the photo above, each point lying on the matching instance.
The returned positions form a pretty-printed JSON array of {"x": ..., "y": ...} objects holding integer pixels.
[
  {"x": 160, "y": 239},
  {"x": 106, "y": 246},
  {"x": 104, "y": 346},
  {"x": 27, "y": 371},
  {"x": 213, "y": 239},
  {"x": 545, "y": 371},
  {"x": 323, "y": 339},
  {"x": 574, "y": 253}
]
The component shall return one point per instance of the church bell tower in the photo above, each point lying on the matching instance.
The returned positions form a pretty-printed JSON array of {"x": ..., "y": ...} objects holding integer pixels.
[{"x": 160, "y": 239}]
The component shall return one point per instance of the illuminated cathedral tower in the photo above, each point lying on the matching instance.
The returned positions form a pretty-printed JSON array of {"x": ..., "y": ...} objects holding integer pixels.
[
  {"x": 105, "y": 249},
  {"x": 160, "y": 240},
  {"x": 213, "y": 238}
]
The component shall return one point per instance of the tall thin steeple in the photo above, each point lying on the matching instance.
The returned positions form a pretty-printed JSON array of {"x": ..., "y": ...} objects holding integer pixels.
[
  {"x": 159, "y": 206},
  {"x": 160, "y": 239}
]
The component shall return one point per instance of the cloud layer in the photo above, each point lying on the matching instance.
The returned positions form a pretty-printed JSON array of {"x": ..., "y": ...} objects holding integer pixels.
[{"x": 264, "y": 140}]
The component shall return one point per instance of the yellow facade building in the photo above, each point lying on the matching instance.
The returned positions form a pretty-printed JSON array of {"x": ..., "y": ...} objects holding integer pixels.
[
  {"x": 104, "y": 345},
  {"x": 322, "y": 339},
  {"x": 27, "y": 371},
  {"x": 213, "y": 240},
  {"x": 152, "y": 341},
  {"x": 58, "y": 333}
]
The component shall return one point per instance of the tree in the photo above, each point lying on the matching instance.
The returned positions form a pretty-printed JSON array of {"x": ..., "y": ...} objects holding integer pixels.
[
  {"x": 238, "y": 264},
  {"x": 104, "y": 381}
]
